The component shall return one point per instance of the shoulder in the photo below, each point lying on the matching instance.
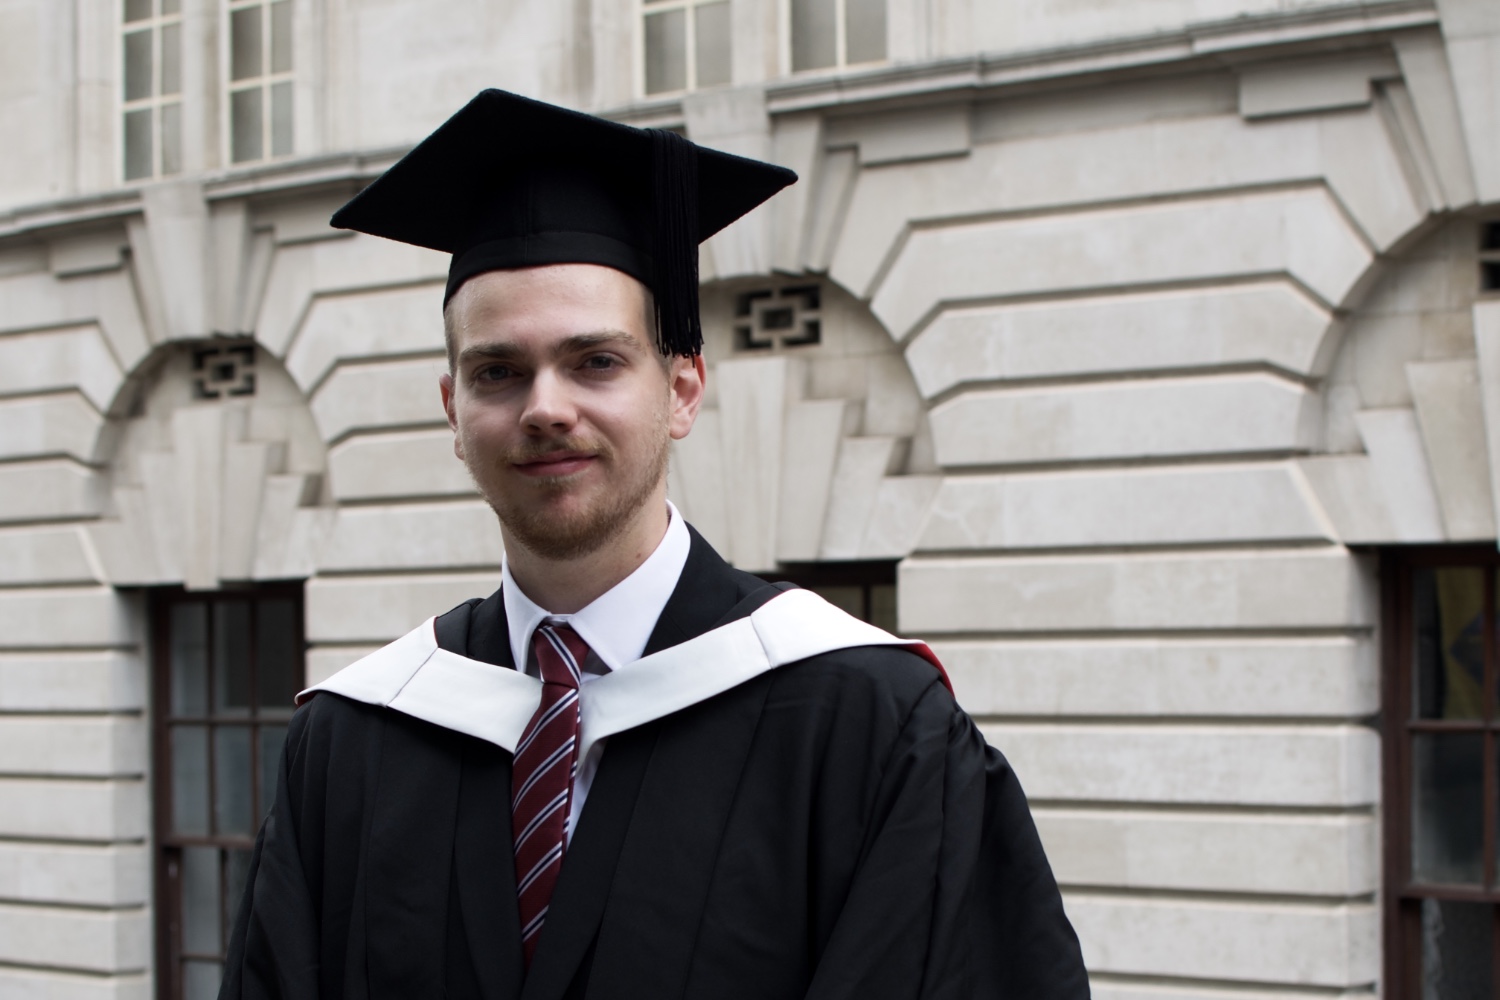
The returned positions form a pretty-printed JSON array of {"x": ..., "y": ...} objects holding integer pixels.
[{"x": 885, "y": 683}]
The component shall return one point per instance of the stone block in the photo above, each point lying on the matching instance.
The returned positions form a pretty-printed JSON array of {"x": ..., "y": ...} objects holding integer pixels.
[
  {"x": 88, "y": 253},
  {"x": 392, "y": 395},
  {"x": 754, "y": 394},
  {"x": 907, "y": 135},
  {"x": 1475, "y": 63},
  {"x": 1424, "y": 67},
  {"x": 695, "y": 480},
  {"x": 1364, "y": 168},
  {"x": 1451, "y": 417},
  {"x": 39, "y": 984},
  {"x": 1114, "y": 507},
  {"x": 74, "y": 939},
  {"x": 401, "y": 465},
  {"x": 1212, "y": 852},
  {"x": 325, "y": 661},
  {"x": 1329, "y": 945},
  {"x": 461, "y": 535},
  {"x": 51, "y": 488},
  {"x": 77, "y": 682},
  {"x": 38, "y": 301},
  {"x": 73, "y": 357},
  {"x": 86, "y": 875},
  {"x": 94, "y": 746},
  {"x": 43, "y": 555},
  {"x": 1345, "y": 487},
  {"x": 1261, "y": 323},
  {"x": 75, "y": 617},
  {"x": 1155, "y": 418},
  {"x": 1298, "y": 231},
  {"x": 812, "y": 434},
  {"x": 1306, "y": 588},
  {"x": 1399, "y": 466},
  {"x": 344, "y": 328},
  {"x": 1317, "y": 83},
  {"x": 74, "y": 809},
  {"x": 797, "y": 143},
  {"x": 862, "y": 463},
  {"x": 1248, "y": 678},
  {"x": 898, "y": 516},
  {"x": 1487, "y": 341},
  {"x": 892, "y": 404},
  {"x": 44, "y": 426},
  {"x": 1203, "y": 764},
  {"x": 376, "y": 609}
]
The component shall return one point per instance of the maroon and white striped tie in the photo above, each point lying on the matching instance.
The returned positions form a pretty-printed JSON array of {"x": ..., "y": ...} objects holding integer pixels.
[{"x": 542, "y": 777}]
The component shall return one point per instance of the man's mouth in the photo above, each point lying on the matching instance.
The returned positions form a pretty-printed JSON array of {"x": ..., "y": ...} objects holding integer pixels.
[{"x": 555, "y": 463}]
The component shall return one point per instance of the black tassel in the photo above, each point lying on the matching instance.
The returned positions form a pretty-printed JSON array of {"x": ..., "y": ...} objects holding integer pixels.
[{"x": 675, "y": 248}]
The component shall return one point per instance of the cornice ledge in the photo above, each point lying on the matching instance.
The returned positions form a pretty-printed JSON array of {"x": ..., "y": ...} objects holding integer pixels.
[{"x": 1230, "y": 40}]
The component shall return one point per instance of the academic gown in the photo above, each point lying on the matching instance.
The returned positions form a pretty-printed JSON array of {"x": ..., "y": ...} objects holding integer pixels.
[{"x": 835, "y": 828}]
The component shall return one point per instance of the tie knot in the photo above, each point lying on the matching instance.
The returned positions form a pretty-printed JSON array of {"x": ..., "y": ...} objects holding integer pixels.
[{"x": 560, "y": 653}]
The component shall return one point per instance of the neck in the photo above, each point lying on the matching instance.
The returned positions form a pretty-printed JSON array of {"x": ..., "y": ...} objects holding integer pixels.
[{"x": 564, "y": 586}]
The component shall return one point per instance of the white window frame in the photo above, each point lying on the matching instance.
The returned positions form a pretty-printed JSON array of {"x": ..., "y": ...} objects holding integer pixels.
[
  {"x": 690, "y": 40},
  {"x": 264, "y": 83},
  {"x": 155, "y": 101},
  {"x": 841, "y": 41}
]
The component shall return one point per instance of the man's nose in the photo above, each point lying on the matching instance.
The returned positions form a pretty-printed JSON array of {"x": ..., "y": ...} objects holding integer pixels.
[{"x": 549, "y": 404}]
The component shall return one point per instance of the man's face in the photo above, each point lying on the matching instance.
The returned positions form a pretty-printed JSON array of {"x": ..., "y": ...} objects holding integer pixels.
[{"x": 561, "y": 407}]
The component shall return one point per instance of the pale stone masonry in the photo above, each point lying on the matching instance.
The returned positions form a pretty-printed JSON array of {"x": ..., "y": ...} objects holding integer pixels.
[{"x": 1134, "y": 318}]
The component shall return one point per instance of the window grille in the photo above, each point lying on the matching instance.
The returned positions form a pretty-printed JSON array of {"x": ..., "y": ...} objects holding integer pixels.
[
  {"x": 772, "y": 318},
  {"x": 686, "y": 44},
  {"x": 151, "y": 88},
  {"x": 259, "y": 79}
]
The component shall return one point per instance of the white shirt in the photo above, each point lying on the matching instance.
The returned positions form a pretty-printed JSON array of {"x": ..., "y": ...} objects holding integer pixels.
[{"x": 616, "y": 626}]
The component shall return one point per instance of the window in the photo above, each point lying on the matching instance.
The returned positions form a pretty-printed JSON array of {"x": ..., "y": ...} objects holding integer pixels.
[
  {"x": 151, "y": 87},
  {"x": 830, "y": 33},
  {"x": 686, "y": 44},
  {"x": 866, "y": 590},
  {"x": 1442, "y": 764},
  {"x": 226, "y": 667},
  {"x": 260, "y": 79},
  {"x": 1489, "y": 256}
]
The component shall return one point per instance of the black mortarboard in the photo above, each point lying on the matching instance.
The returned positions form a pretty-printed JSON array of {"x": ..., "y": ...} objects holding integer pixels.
[{"x": 511, "y": 182}]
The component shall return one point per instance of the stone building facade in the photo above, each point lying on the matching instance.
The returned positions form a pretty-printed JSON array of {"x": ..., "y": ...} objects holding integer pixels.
[{"x": 1153, "y": 347}]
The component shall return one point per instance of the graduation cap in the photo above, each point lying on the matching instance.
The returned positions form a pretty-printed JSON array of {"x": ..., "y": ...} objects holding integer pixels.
[{"x": 510, "y": 182}]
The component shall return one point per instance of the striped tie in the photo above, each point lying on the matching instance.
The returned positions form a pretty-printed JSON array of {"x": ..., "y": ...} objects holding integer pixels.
[{"x": 542, "y": 777}]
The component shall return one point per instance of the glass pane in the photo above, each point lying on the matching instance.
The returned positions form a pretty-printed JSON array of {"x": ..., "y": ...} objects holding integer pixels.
[
  {"x": 171, "y": 6},
  {"x": 814, "y": 38},
  {"x": 232, "y": 776},
  {"x": 271, "y": 739},
  {"x": 1448, "y": 639},
  {"x": 848, "y": 599},
  {"x": 244, "y": 125},
  {"x": 711, "y": 27},
  {"x": 171, "y": 138},
  {"x": 1457, "y": 945},
  {"x": 137, "y": 10},
  {"x": 281, "y": 119},
  {"x": 245, "y": 59},
  {"x": 190, "y": 779},
  {"x": 200, "y": 980},
  {"x": 138, "y": 65},
  {"x": 201, "y": 909},
  {"x": 864, "y": 30},
  {"x": 281, "y": 36},
  {"x": 883, "y": 606},
  {"x": 236, "y": 871},
  {"x": 188, "y": 638},
  {"x": 1447, "y": 807},
  {"x": 171, "y": 59},
  {"x": 666, "y": 51},
  {"x": 278, "y": 662},
  {"x": 137, "y": 144},
  {"x": 232, "y": 658}
]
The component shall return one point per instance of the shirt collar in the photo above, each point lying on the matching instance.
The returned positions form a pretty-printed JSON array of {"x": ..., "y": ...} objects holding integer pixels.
[{"x": 619, "y": 622}]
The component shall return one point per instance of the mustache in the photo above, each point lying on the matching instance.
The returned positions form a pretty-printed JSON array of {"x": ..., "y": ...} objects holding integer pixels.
[{"x": 539, "y": 450}]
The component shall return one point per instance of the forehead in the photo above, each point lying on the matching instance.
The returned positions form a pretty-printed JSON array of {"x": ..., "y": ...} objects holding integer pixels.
[{"x": 534, "y": 305}]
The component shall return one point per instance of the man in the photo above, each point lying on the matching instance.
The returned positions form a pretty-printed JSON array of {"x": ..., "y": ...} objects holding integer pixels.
[{"x": 633, "y": 771}]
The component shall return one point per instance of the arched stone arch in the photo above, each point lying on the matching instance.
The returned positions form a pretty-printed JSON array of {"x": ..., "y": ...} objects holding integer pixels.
[{"x": 813, "y": 441}]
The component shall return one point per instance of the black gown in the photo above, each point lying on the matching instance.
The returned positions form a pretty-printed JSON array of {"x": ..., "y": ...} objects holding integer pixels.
[{"x": 835, "y": 828}]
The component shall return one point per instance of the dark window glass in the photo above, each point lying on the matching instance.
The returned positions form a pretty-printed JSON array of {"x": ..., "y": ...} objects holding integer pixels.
[
  {"x": 666, "y": 51},
  {"x": 864, "y": 30},
  {"x": 245, "y": 141},
  {"x": 814, "y": 34},
  {"x": 245, "y": 49},
  {"x": 866, "y": 589}
]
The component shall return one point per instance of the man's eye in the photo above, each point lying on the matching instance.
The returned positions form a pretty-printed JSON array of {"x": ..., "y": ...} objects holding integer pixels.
[
  {"x": 494, "y": 373},
  {"x": 601, "y": 363}
]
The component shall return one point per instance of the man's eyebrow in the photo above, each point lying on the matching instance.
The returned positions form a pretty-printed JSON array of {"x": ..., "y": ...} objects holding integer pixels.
[{"x": 507, "y": 351}]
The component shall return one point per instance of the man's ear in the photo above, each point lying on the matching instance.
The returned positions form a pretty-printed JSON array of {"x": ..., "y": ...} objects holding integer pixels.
[
  {"x": 445, "y": 389},
  {"x": 687, "y": 380}
]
